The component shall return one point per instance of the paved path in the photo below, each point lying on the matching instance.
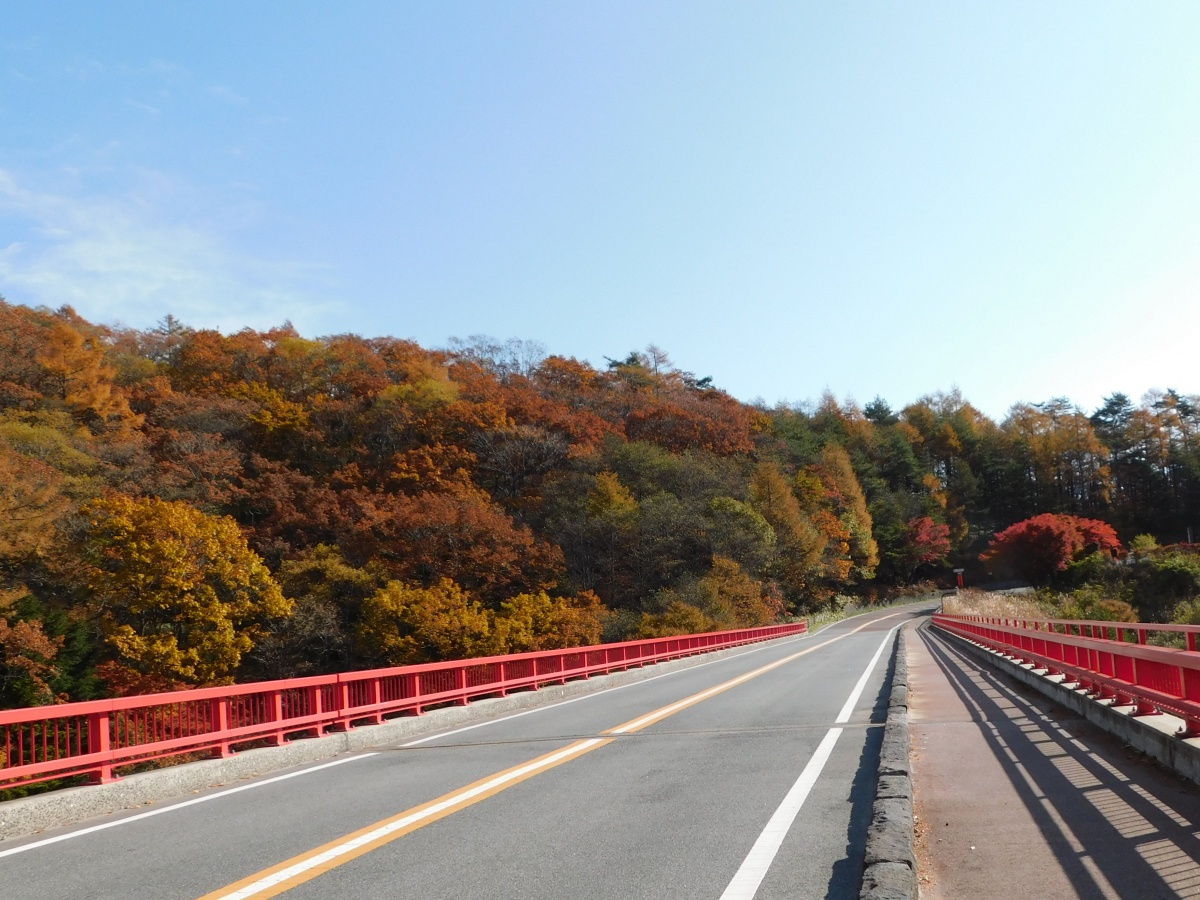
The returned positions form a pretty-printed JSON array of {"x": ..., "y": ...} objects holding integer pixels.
[
  {"x": 746, "y": 777},
  {"x": 1016, "y": 797}
]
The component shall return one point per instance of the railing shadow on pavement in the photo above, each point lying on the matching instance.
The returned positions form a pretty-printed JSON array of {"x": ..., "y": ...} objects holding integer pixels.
[
  {"x": 847, "y": 876},
  {"x": 1112, "y": 835}
]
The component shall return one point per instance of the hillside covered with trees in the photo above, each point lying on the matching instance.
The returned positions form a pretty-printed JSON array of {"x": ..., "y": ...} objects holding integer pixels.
[{"x": 181, "y": 507}]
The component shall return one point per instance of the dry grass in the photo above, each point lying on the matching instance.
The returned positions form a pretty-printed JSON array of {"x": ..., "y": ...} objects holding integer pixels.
[{"x": 984, "y": 603}]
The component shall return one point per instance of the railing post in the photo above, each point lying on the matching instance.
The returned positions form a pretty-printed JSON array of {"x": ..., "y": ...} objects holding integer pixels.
[
  {"x": 460, "y": 684},
  {"x": 376, "y": 718},
  {"x": 315, "y": 706},
  {"x": 1145, "y": 708},
  {"x": 502, "y": 669},
  {"x": 276, "y": 739},
  {"x": 99, "y": 741},
  {"x": 342, "y": 689},
  {"x": 416, "y": 693},
  {"x": 219, "y": 718}
]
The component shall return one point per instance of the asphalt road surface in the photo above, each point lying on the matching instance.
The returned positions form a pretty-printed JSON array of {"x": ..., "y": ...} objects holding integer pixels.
[{"x": 747, "y": 776}]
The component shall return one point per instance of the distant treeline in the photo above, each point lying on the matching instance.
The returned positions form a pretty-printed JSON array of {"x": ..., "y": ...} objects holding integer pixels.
[{"x": 181, "y": 507}]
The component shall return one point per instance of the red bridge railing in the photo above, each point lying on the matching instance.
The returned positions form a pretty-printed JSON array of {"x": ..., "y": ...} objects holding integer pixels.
[
  {"x": 1110, "y": 660},
  {"x": 46, "y": 742}
]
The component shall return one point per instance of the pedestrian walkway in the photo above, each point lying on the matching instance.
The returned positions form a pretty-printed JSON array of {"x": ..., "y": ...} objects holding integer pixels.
[{"x": 1018, "y": 797}]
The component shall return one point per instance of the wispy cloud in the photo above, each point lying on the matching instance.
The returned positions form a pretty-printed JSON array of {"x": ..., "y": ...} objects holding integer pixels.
[
  {"x": 87, "y": 69},
  {"x": 221, "y": 92},
  {"x": 115, "y": 260},
  {"x": 144, "y": 107}
]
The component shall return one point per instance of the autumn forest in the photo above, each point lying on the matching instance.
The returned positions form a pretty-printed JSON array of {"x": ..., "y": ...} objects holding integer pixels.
[{"x": 180, "y": 507}]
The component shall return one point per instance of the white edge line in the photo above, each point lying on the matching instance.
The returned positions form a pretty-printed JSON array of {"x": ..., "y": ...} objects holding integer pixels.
[
  {"x": 166, "y": 809},
  {"x": 754, "y": 868},
  {"x": 852, "y": 701}
]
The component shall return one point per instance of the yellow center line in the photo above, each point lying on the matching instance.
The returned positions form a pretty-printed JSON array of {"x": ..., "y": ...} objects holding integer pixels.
[{"x": 306, "y": 866}]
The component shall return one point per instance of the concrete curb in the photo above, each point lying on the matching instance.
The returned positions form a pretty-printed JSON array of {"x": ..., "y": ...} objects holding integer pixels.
[
  {"x": 29, "y": 815},
  {"x": 891, "y": 863},
  {"x": 1153, "y": 735}
]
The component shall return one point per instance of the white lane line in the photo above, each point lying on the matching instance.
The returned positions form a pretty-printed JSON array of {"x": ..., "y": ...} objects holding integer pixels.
[
  {"x": 754, "y": 867},
  {"x": 852, "y": 701},
  {"x": 173, "y": 807}
]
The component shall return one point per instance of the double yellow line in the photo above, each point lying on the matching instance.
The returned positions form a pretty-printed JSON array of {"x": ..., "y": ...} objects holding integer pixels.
[{"x": 307, "y": 866}]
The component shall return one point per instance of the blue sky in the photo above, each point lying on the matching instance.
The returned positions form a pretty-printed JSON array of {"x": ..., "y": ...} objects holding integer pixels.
[{"x": 889, "y": 199}]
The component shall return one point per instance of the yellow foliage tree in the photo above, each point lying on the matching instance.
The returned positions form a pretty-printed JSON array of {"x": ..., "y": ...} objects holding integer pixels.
[
  {"x": 273, "y": 411},
  {"x": 404, "y": 624},
  {"x": 610, "y": 500},
  {"x": 725, "y": 598},
  {"x": 540, "y": 622},
  {"x": 179, "y": 594},
  {"x": 818, "y": 505},
  {"x": 678, "y": 618}
]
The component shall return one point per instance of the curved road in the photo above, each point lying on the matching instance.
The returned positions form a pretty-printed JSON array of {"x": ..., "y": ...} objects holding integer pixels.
[{"x": 747, "y": 776}]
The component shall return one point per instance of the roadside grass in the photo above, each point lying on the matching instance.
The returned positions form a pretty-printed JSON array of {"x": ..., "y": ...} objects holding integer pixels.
[{"x": 971, "y": 602}]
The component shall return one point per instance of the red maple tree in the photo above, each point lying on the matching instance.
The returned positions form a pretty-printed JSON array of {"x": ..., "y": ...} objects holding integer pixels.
[{"x": 1037, "y": 548}]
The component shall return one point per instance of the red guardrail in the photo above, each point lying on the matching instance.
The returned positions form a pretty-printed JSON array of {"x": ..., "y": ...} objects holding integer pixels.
[
  {"x": 90, "y": 738},
  {"x": 1110, "y": 660}
]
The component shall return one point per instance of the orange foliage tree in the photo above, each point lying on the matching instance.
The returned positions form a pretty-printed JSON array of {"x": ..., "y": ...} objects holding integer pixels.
[{"x": 459, "y": 534}]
